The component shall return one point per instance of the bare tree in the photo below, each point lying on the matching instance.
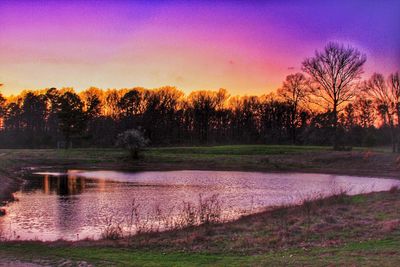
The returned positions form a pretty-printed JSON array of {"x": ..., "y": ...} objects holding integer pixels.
[
  {"x": 386, "y": 95},
  {"x": 2, "y": 104},
  {"x": 364, "y": 111},
  {"x": 394, "y": 85},
  {"x": 294, "y": 91},
  {"x": 204, "y": 106},
  {"x": 334, "y": 72}
]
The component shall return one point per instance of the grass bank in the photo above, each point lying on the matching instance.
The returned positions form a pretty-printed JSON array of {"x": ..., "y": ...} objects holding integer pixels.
[
  {"x": 361, "y": 161},
  {"x": 361, "y": 230},
  {"x": 371, "y": 253}
]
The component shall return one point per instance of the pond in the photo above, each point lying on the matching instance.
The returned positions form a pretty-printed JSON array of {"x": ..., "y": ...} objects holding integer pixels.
[{"x": 80, "y": 204}]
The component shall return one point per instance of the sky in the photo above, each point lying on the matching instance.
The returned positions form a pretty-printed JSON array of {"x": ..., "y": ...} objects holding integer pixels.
[{"x": 246, "y": 47}]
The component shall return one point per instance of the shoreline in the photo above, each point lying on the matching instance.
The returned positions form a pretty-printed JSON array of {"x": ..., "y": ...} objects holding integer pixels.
[
  {"x": 324, "y": 162},
  {"x": 189, "y": 167}
]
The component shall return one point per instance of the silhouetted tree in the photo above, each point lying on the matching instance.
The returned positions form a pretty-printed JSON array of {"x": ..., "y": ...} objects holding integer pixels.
[
  {"x": 275, "y": 120},
  {"x": 160, "y": 118},
  {"x": 34, "y": 111},
  {"x": 204, "y": 107},
  {"x": 334, "y": 72},
  {"x": 130, "y": 103},
  {"x": 34, "y": 119},
  {"x": 111, "y": 100},
  {"x": 52, "y": 130},
  {"x": 245, "y": 118},
  {"x": 294, "y": 91},
  {"x": 364, "y": 110},
  {"x": 168, "y": 117},
  {"x": 386, "y": 94},
  {"x": 2, "y": 104},
  {"x": 72, "y": 118},
  {"x": 92, "y": 101},
  {"x": 394, "y": 86},
  {"x": 13, "y": 116},
  {"x": 320, "y": 130}
]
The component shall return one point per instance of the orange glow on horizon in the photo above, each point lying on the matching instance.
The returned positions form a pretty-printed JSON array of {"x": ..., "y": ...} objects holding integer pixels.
[{"x": 246, "y": 48}]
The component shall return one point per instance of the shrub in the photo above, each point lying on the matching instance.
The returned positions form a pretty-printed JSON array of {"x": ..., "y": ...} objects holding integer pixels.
[{"x": 133, "y": 140}]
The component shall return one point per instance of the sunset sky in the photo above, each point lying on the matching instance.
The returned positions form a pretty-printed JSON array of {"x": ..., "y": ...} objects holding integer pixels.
[{"x": 247, "y": 47}]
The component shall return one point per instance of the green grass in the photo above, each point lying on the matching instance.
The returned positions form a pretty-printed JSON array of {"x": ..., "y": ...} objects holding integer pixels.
[
  {"x": 370, "y": 253},
  {"x": 246, "y": 157},
  {"x": 253, "y": 149},
  {"x": 358, "y": 199},
  {"x": 240, "y": 150},
  {"x": 251, "y": 153},
  {"x": 96, "y": 154}
]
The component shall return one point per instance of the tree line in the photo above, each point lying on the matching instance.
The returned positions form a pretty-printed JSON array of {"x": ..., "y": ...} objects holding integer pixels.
[{"x": 327, "y": 103}]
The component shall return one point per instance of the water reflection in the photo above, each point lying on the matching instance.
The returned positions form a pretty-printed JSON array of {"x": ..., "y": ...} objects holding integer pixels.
[
  {"x": 65, "y": 185},
  {"x": 78, "y": 204}
]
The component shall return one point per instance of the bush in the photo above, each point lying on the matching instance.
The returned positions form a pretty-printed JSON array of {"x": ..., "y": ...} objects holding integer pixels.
[{"x": 133, "y": 140}]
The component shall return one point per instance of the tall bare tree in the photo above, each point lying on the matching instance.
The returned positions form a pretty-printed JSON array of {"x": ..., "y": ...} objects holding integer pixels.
[
  {"x": 364, "y": 111},
  {"x": 386, "y": 95},
  {"x": 394, "y": 85},
  {"x": 92, "y": 99},
  {"x": 204, "y": 106},
  {"x": 334, "y": 72},
  {"x": 2, "y": 101},
  {"x": 294, "y": 91},
  {"x": 2, "y": 104}
]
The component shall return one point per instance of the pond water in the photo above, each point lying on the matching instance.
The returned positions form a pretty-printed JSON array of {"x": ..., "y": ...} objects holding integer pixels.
[{"x": 82, "y": 204}]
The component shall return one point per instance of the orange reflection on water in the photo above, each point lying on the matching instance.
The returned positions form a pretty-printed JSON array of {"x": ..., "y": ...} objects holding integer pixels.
[{"x": 46, "y": 184}]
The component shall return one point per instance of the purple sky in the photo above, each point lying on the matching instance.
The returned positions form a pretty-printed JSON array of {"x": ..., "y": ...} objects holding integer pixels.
[{"x": 247, "y": 47}]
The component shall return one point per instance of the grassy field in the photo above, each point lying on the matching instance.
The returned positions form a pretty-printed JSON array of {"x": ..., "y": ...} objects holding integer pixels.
[
  {"x": 370, "y": 253},
  {"x": 361, "y": 161},
  {"x": 359, "y": 230}
]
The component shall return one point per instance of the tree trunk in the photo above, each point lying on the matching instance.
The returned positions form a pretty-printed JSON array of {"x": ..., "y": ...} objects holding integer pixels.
[
  {"x": 392, "y": 131},
  {"x": 294, "y": 135},
  {"x": 392, "y": 135},
  {"x": 397, "y": 136},
  {"x": 398, "y": 129},
  {"x": 134, "y": 153},
  {"x": 67, "y": 141},
  {"x": 294, "y": 125}
]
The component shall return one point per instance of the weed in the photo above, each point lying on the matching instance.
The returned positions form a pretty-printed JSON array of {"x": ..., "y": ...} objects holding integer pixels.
[
  {"x": 394, "y": 189},
  {"x": 112, "y": 229}
]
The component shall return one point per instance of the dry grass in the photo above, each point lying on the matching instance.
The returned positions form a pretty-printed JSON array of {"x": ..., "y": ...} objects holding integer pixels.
[
  {"x": 317, "y": 223},
  {"x": 207, "y": 211}
]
